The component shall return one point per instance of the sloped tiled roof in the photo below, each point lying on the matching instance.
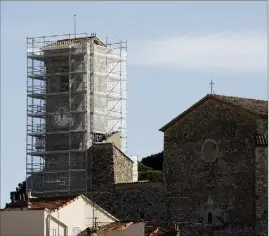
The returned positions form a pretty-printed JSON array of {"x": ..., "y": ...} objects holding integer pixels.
[
  {"x": 254, "y": 106},
  {"x": 54, "y": 203},
  {"x": 66, "y": 42},
  {"x": 157, "y": 232},
  {"x": 123, "y": 225},
  {"x": 260, "y": 107},
  {"x": 116, "y": 226},
  {"x": 50, "y": 203}
]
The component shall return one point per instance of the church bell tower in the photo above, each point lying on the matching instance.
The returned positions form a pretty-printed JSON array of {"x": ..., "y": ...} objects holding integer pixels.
[{"x": 76, "y": 95}]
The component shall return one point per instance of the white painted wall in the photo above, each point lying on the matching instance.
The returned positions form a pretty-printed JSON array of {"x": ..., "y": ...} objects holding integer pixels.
[
  {"x": 77, "y": 215},
  {"x": 135, "y": 168},
  {"x": 22, "y": 222}
]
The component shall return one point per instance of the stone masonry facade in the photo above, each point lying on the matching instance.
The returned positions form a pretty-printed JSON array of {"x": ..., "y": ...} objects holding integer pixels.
[
  {"x": 261, "y": 188},
  {"x": 123, "y": 166},
  {"x": 114, "y": 190},
  {"x": 229, "y": 192},
  {"x": 225, "y": 188},
  {"x": 215, "y": 174},
  {"x": 133, "y": 201},
  {"x": 108, "y": 166},
  {"x": 261, "y": 181}
]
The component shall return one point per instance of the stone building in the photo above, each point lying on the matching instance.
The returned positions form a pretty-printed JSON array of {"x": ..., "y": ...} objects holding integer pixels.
[
  {"x": 215, "y": 164},
  {"x": 215, "y": 172}
]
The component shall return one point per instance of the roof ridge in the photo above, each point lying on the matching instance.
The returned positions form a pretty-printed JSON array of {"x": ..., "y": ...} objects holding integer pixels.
[
  {"x": 54, "y": 198},
  {"x": 246, "y": 98},
  {"x": 251, "y": 105}
]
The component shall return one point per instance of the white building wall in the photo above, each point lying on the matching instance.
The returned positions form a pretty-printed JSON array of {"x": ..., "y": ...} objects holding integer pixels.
[
  {"x": 135, "y": 168},
  {"x": 22, "y": 222},
  {"x": 78, "y": 215},
  {"x": 72, "y": 218}
]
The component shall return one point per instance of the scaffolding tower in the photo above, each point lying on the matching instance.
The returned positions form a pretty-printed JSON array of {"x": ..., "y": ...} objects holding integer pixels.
[{"x": 76, "y": 95}]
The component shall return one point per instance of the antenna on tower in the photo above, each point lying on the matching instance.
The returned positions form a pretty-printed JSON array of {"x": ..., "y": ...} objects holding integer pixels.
[
  {"x": 75, "y": 26},
  {"x": 211, "y": 87}
]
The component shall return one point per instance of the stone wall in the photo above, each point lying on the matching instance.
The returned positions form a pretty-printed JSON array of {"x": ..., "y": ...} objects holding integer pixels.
[
  {"x": 133, "y": 201},
  {"x": 123, "y": 167},
  {"x": 262, "y": 126},
  {"x": 261, "y": 191},
  {"x": 203, "y": 230},
  {"x": 110, "y": 160},
  {"x": 100, "y": 161},
  {"x": 261, "y": 182},
  {"x": 224, "y": 187},
  {"x": 115, "y": 191}
]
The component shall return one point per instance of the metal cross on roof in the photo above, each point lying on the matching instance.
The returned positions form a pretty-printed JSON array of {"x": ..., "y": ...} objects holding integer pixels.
[{"x": 211, "y": 87}]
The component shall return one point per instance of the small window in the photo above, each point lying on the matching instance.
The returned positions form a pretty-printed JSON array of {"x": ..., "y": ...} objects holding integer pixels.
[
  {"x": 209, "y": 218},
  {"x": 52, "y": 232},
  {"x": 142, "y": 215},
  {"x": 210, "y": 150}
]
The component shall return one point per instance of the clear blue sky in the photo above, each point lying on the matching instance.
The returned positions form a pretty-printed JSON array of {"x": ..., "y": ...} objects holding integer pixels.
[{"x": 174, "y": 49}]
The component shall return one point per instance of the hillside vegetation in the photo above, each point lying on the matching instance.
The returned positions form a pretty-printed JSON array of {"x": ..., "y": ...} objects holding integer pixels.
[{"x": 151, "y": 168}]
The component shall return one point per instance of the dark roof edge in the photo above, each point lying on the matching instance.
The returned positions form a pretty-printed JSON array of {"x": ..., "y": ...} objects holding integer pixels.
[
  {"x": 114, "y": 147},
  {"x": 183, "y": 114},
  {"x": 122, "y": 153},
  {"x": 208, "y": 96}
]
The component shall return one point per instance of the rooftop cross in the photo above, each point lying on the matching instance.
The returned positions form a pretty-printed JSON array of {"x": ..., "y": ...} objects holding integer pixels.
[{"x": 211, "y": 87}]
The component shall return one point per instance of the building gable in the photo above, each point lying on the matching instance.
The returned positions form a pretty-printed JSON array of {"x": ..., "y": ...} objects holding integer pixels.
[
  {"x": 208, "y": 150},
  {"x": 99, "y": 208},
  {"x": 255, "y": 107}
]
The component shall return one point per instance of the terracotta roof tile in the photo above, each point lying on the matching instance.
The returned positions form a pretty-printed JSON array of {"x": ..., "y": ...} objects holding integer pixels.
[
  {"x": 156, "y": 232},
  {"x": 116, "y": 226},
  {"x": 50, "y": 203},
  {"x": 119, "y": 225},
  {"x": 18, "y": 204},
  {"x": 66, "y": 42}
]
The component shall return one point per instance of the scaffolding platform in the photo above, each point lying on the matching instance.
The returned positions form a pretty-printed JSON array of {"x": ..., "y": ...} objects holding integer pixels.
[{"x": 76, "y": 89}]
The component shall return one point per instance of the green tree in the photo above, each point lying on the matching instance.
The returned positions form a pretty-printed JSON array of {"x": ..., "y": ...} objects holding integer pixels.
[
  {"x": 150, "y": 168},
  {"x": 151, "y": 175},
  {"x": 143, "y": 168},
  {"x": 147, "y": 173},
  {"x": 19, "y": 190},
  {"x": 154, "y": 161}
]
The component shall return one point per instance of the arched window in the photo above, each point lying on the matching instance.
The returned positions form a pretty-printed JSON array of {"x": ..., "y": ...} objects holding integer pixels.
[
  {"x": 210, "y": 150},
  {"x": 209, "y": 218}
]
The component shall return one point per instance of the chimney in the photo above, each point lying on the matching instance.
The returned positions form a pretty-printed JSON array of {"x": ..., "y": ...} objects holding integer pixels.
[
  {"x": 88, "y": 231},
  {"x": 29, "y": 193}
]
